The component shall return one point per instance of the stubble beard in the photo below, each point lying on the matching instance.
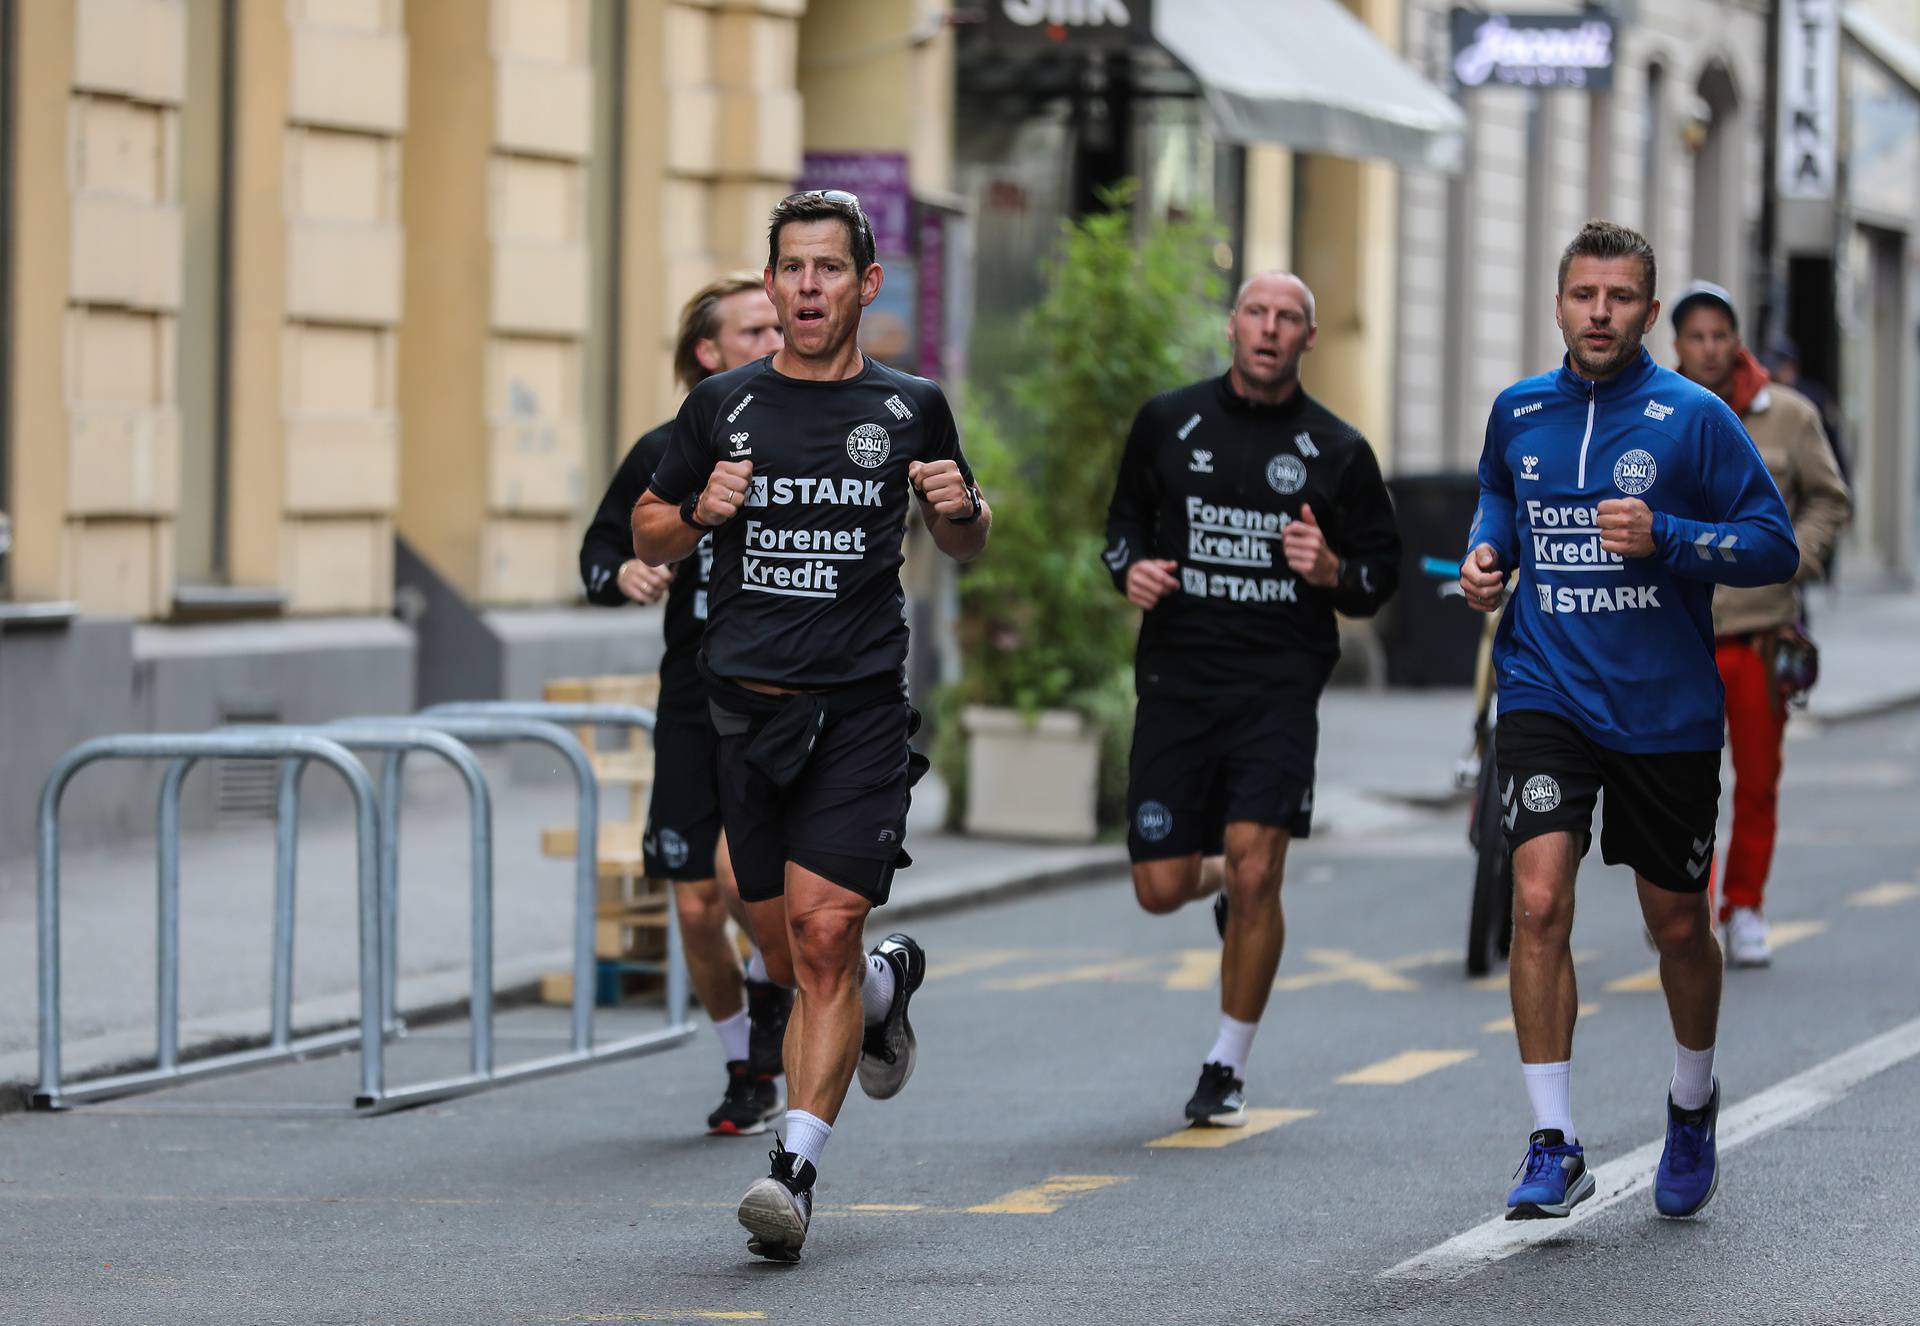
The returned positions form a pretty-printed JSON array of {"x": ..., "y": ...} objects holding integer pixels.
[{"x": 1600, "y": 370}]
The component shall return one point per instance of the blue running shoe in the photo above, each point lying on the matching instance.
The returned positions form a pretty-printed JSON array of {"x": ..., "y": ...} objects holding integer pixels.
[
  {"x": 1553, "y": 1178},
  {"x": 1690, "y": 1166}
]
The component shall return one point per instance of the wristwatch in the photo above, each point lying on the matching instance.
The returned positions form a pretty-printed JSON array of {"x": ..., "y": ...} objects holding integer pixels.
[
  {"x": 973, "y": 496},
  {"x": 688, "y": 505}
]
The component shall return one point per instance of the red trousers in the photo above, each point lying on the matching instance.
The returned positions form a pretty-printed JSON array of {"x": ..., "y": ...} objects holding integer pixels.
[{"x": 1756, "y": 726}]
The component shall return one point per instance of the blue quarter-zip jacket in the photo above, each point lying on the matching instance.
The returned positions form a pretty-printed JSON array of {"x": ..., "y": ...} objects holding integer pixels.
[{"x": 1623, "y": 647}]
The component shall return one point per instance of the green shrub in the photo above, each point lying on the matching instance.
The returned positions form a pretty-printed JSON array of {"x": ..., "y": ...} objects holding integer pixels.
[{"x": 1041, "y": 626}]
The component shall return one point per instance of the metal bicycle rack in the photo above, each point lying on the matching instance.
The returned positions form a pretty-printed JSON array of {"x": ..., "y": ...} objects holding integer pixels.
[
  {"x": 446, "y": 731},
  {"x": 575, "y": 714},
  {"x": 304, "y": 745},
  {"x": 477, "y": 724}
]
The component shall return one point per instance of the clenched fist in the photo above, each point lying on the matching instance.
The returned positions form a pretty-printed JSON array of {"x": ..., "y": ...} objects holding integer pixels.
[
  {"x": 643, "y": 583},
  {"x": 1308, "y": 555},
  {"x": 1626, "y": 527},
  {"x": 1150, "y": 580},
  {"x": 942, "y": 487},
  {"x": 725, "y": 493},
  {"x": 1481, "y": 578}
]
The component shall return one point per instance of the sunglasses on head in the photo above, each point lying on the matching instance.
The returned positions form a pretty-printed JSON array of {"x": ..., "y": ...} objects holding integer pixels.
[{"x": 840, "y": 196}]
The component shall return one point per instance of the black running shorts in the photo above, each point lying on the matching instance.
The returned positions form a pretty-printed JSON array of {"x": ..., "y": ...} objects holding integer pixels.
[
  {"x": 1661, "y": 808},
  {"x": 1199, "y": 765},
  {"x": 844, "y": 817},
  {"x": 683, "y": 819}
]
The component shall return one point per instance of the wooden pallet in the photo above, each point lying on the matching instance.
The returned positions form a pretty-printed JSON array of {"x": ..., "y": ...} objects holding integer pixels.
[{"x": 614, "y": 983}]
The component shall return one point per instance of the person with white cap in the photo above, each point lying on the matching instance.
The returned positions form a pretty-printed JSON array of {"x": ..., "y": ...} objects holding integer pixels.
[{"x": 1759, "y": 628}]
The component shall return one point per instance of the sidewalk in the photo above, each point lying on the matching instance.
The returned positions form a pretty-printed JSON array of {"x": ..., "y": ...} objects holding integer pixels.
[{"x": 1385, "y": 771}]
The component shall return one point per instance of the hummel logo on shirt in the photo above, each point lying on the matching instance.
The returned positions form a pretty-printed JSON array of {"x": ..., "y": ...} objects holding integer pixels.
[
  {"x": 739, "y": 443},
  {"x": 1530, "y": 468},
  {"x": 1202, "y": 462},
  {"x": 1655, "y": 410}
]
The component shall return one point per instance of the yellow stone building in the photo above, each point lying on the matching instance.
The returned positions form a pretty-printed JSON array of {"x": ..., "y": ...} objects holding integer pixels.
[{"x": 326, "y": 320}]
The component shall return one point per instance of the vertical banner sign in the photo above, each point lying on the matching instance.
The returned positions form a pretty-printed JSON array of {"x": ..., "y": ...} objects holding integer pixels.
[{"x": 1809, "y": 77}]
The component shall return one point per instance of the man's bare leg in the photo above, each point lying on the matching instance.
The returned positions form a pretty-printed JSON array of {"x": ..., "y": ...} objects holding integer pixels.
[
  {"x": 1256, "y": 924},
  {"x": 1540, "y": 977},
  {"x": 1169, "y": 884}
]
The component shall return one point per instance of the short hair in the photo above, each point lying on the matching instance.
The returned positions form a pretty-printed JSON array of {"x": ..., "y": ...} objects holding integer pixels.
[
  {"x": 823, "y": 205},
  {"x": 1608, "y": 239},
  {"x": 1240, "y": 294},
  {"x": 700, "y": 321}
]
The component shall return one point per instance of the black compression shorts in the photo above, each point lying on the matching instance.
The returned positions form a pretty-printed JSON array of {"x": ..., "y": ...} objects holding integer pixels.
[{"x": 1661, "y": 807}]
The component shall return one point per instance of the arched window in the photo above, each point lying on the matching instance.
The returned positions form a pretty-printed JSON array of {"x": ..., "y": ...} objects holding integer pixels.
[{"x": 1653, "y": 151}]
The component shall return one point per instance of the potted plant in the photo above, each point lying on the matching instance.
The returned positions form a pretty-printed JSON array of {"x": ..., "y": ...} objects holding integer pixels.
[{"x": 1037, "y": 728}]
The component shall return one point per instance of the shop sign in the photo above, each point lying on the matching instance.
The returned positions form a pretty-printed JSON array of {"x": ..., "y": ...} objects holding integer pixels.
[
  {"x": 1073, "y": 23},
  {"x": 1809, "y": 128},
  {"x": 1533, "y": 50}
]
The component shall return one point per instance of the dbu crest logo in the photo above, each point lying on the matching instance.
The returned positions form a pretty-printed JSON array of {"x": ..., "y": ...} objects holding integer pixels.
[
  {"x": 1286, "y": 475},
  {"x": 1635, "y": 472},
  {"x": 1153, "y": 821},
  {"x": 868, "y": 446}
]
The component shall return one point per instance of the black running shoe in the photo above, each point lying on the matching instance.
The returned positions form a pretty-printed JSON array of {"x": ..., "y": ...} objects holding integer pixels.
[
  {"x": 777, "y": 1209},
  {"x": 1220, "y": 913},
  {"x": 767, "y": 1008},
  {"x": 1220, "y": 1101},
  {"x": 751, "y": 1101},
  {"x": 887, "y": 1053}
]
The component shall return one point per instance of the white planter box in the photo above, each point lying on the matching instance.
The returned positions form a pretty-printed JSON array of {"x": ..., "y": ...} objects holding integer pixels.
[{"x": 1031, "y": 780}]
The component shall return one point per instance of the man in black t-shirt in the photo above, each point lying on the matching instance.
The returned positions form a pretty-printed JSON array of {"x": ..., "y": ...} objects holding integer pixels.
[
  {"x": 800, "y": 466},
  {"x": 1245, "y": 515},
  {"x": 728, "y": 323}
]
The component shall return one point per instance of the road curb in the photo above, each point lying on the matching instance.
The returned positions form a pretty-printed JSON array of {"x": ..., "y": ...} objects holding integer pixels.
[{"x": 977, "y": 890}]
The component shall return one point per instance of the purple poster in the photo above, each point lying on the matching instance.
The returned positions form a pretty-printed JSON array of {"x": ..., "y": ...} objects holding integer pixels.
[
  {"x": 933, "y": 307},
  {"x": 880, "y": 181}
]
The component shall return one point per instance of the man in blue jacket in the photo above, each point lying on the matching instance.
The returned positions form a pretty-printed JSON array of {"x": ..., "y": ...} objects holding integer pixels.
[{"x": 1622, "y": 494}]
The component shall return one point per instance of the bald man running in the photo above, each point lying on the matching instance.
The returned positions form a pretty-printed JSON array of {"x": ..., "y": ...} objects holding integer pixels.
[{"x": 1245, "y": 516}]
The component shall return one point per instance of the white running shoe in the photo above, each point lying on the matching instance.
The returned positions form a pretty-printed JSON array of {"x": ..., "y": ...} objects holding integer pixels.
[{"x": 1746, "y": 939}]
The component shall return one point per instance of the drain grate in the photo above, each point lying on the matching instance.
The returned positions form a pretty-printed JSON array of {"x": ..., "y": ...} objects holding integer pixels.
[{"x": 244, "y": 789}]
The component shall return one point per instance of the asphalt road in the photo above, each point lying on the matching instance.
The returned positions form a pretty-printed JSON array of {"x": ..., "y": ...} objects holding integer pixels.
[{"x": 1032, "y": 1171}]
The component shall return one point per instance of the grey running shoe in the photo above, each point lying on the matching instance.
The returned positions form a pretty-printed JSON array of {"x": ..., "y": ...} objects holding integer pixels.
[
  {"x": 777, "y": 1209},
  {"x": 887, "y": 1053}
]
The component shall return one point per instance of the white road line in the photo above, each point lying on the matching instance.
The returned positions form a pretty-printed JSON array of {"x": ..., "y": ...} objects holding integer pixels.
[{"x": 1818, "y": 1087}]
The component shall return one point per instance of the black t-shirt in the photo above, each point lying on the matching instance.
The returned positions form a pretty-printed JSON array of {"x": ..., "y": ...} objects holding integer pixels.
[
  {"x": 609, "y": 543},
  {"x": 806, "y": 577},
  {"x": 1209, "y": 480}
]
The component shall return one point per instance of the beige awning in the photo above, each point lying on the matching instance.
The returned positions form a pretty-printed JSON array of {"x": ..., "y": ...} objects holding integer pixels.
[
  {"x": 1308, "y": 74},
  {"x": 1884, "y": 44}
]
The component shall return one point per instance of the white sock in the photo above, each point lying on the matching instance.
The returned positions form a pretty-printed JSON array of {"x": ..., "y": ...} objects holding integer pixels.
[
  {"x": 876, "y": 991},
  {"x": 806, "y": 1136},
  {"x": 733, "y": 1034},
  {"x": 1233, "y": 1044},
  {"x": 757, "y": 966},
  {"x": 1692, "y": 1077},
  {"x": 1550, "y": 1088}
]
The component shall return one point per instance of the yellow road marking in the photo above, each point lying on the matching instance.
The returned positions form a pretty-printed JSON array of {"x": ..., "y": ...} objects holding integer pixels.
[
  {"x": 1506, "y": 1023},
  {"x": 1404, "y": 1067},
  {"x": 1258, "y": 1121},
  {"x": 1885, "y": 895},
  {"x": 1126, "y": 969},
  {"x": 972, "y": 962},
  {"x": 1780, "y": 934},
  {"x": 1337, "y": 964},
  {"x": 1199, "y": 969},
  {"x": 1047, "y": 1196}
]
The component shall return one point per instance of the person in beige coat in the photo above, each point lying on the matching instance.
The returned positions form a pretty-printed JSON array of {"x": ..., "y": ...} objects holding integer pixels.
[{"x": 1757, "y": 630}]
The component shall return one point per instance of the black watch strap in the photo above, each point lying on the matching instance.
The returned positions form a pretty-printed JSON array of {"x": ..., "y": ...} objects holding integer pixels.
[
  {"x": 688, "y": 505},
  {"x": 973, "y": 496}
]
